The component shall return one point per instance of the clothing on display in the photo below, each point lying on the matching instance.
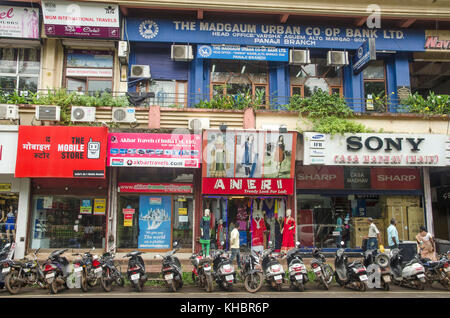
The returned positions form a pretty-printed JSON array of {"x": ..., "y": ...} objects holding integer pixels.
[
  {"x": 281, "y": 208},
  {"x": 288, "y": 234},
  {"x": 220, "y": 235},
  {"x": 278, "y": 235},
  {"x": 219, "y": 155},
  {"x": 241, "y": 217},
  {"x": 269, "y": 207},
  {"x": 257, "y": 229}
]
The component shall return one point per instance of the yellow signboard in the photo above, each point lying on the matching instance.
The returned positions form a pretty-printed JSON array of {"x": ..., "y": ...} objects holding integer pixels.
[
  {"x": 5, "y": 187},
  {"x": 128, "y": 219},
  {"x": 182, "y": 211},
  {"x": 99, "y": 206}
]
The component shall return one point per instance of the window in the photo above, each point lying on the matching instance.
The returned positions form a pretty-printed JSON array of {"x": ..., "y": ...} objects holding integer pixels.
[
  {"x": 307, "y": 79},
  {"x": 167, "y": 92},
  {"x": 375, "y": 86},
  {"x": 19, "y": 69},
  {"x": 89, "y": 71},
  {"x": 239, "y": 79}
]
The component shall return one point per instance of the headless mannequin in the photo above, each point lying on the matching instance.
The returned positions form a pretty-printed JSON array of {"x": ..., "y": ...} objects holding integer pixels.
[
  {"x": 288, "y": 232},
  {"x": 205, "y": 232}
]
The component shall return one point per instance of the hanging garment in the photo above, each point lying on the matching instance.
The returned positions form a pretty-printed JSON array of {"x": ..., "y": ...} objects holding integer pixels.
[
  {"x": 220, "y": 235},
  {"x": 241, "y": 217},
  {"x": 288, "y": 234},
  {"x": 258, "y": 228},
  {"x": 279, "y": 152},
  {"x": 278, "y": 235},
  {"x": 281, "y": 208},
  {"x": 258, "y": 207},
  {"x": 271, "y": 224},
  {"x": 269, "y": 207},
  {"x": 205, "y": 224},
  {"x": 216, "y": 209}
]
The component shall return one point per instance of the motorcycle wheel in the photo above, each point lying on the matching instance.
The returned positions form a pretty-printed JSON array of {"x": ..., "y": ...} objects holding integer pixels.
[
  {"x": 140, "y": 285},
  {"x": 194, "y": 278},
  {"x": 253, "y": 282},
  {"x": 278, "y": 287},
  {"x": 336, "y": 277},
  {"x": 11, "y": 283},
  {"x": 172, "y": 286},
  {"x": 227, "y": 287},
  {"x": 208, "y": 283},
  {"x": 324, "y": 283},
  {"x": 362, "y": 287},
  {"x": 120, "y": 281},
  {"x": 53, "y": 287},
  {"x": 300, "y": 286},
  {"x": 420, "y": 285},
  {"x": 328, "y": 271},
  {"x": 386, "y": 286},
  {"x": 106, "y": 281},
  {"x": 84, "y": 282}
]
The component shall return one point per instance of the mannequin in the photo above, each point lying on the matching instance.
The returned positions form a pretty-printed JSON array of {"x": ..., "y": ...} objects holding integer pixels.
[
  {"x": 220, "y": 235},
  {"x": 205, "y": 232},
  {"x": 10, "y": 224},
  {"x": 257, "y": 230},
  {"x": 278, "y": 233},
  {"x": 288, "y": 232}
]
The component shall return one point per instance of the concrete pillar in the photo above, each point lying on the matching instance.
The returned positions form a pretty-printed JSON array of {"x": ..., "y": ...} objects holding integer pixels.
[
  {"x": 154, "y": 117},
  {"x": 249, "y": 119},
  {"x": 427, "y": 197},
  {"x": 112, "y": 211},
  {"x": 22, "y": 218}
]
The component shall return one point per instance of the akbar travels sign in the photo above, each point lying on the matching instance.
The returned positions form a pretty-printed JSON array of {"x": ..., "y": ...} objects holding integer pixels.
[
  {"x": 376, "y": 149},
  {"x": 61, "y": 152}
]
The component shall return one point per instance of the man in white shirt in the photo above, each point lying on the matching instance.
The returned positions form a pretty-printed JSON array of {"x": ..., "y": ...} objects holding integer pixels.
[
  {"x": 374, "y": 235},
  {"x": 234, "y": 242}
]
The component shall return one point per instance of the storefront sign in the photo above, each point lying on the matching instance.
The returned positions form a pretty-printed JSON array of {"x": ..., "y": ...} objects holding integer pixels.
[
  {"x": 5, "y": 187},
  {"x": 236, "y": 52},
  {"x": 85, "y": 207},
  {"x": 279, "y": 35},
  {"x": 99, "y": 206},
  {"x": 90, "y": 72},
  {"x": 19, "y": 22},
  {"x": 365, "y": 53},
  {"x": 128, "y": 211},
  {"x": 155, "y": 222},
  {"x": 372, "y": 149},
  {"x": 247, "y": 186},
  {"x": 155, "y": 187},
  {"x": 81, "y": 19},
  {"x": 154, "y": 150},
  {"x": 8, "y": 150},
  {"x": 61, "y": 152},
  {"x": 182, "y": 211},
  {"x": 128, "y": 219},
  {"x": 358, "y": 178}
]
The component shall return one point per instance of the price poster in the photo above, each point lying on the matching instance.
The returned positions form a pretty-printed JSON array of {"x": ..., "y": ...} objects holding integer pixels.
[
  {"x": 85, "y": 207},
  {"x": 99, "y": 206}
]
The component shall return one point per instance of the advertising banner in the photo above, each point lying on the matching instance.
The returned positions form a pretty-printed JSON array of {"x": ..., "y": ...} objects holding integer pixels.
[
  {"x": 85, "y": 207},
  {"x": 155, "y": 187},
  {"x": 61, "y": 152},
  {"x": 8, "y": 151},
  {"x": 81, "y": 19},
  {"x": 128, "y": 219},
  {"x": 90, "y": 72},
  {"x": 236, "y": 52},
  {"x": 247, "y": 186},
  {"x": 365, "y": 53},
  {"x": 154, "y": 150},
  {"x": 155, "y": 222},
  {"x": 99, "y": 206},
  {"x": 191, "y": 31},
  {"x": 19, "y": 22},
  {"x": 375, "y": 149}
]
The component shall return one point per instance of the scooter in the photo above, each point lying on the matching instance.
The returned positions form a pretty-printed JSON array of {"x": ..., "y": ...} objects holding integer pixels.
[
  {"x": 353, "y": 275},
  {"x": 6, "y": 261},
  {"x": 201, "y": 271},
  {"x": 171, "y": 269},
  {"x": 410, "y": 275},
  {"x": 56, "y": 270},
  {"x": 136, "y": 270},
  {"x": 223, "y": 270},
  {"x": 298, "y": 275},
  {"x": 438, "y": 271},
  {"x": 322, "y": 271},
  {"x": 375, "y": 261},
  {"x": 251, "y": 272},
  {"x": 272, "y": 269}
]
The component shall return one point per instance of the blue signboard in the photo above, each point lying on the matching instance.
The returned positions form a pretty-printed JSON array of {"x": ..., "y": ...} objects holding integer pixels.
[
  {"x": 155, "y": 222},
  {"x": 365, "y": 53},
  {"x": 236, "y": 52},
  {"x": 278, "y": 35}
]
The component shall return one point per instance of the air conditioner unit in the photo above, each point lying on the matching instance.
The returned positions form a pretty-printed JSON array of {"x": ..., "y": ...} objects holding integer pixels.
[
  {"x": 140, "y": 71},
  {"x": 198, "y": 123},
  {"x": 182, "y": 53},
  {"x": 337, "y": 58},
  {"x": 299, "y": 57},
  {"x": 122, "y": 52},
  {"x": 84, "y": 114},
  {"x": 8, "y": 111},
  {"x": 51, "y": 113},
  {"x": 123, "y": 114}
]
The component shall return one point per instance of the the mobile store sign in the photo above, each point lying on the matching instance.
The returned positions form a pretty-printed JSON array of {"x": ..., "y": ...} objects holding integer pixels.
[
  {"x": 61, "y": 152},
  {"x": 81, "y": 19},
  {"x": 154, "y": 150},
  {"x": 19, "y": 22}
]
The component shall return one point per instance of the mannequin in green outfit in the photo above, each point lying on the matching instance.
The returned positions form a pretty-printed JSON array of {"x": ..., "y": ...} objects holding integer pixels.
[{"x": 205, "y": 231}]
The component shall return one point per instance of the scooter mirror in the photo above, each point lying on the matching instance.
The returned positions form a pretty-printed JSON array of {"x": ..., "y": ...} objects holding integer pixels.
[
  {"x": 297, "y": 244},
  {"x": 175, "y": 243},
  {"x": 342, "y": 243},
  {"x": 222, "y": 243}
]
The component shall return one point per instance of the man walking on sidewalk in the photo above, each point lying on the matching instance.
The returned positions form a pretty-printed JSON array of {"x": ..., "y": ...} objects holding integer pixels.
[
  {"x": 374, "y": 235},
  {"x": 234, "y": 241},
  {"x": 392, "y": 235}
]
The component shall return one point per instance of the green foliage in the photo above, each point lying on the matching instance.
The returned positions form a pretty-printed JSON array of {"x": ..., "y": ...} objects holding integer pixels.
[
  {"x": 432, "y": 105},
  {"x": 333, "y": 125},
  {"x": 237, "y": 101}
]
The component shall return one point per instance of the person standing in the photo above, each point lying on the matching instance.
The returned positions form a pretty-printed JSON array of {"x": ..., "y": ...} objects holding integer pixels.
[
  {"x": 426, "y": 244},
  {"x": 339, "y": 229},
  {"x": 374, "y": 235},
  {"x": 234, "y": 242},
  {"x": 392, "y": 234}
]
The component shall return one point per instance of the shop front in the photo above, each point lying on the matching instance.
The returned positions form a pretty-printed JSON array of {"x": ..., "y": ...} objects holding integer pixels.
[
  {"x": 248, "y": 183},
  {"x": 69, "y": 190},
  {"x": 344, "y": 180},
  {"x": 154, "y": 176}
]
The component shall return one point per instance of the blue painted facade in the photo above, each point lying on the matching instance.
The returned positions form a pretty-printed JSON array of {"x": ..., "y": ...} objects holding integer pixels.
[{"x": 151, "y": 38}]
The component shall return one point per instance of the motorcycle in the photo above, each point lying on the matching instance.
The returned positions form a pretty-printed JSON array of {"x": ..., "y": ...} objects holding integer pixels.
[
  {"x": 110, "y": 272},
  {"x": 56, "y": 270},
  {"x": 298, "y": 275},
  {"x": 223, "y": 270},
  {"x": 21, "y": 274},
  {"x": 171, "y": 269},
  {"x": 378, "y": 261},
  {"x": 353, "y": 275},
  {"x": 251, "y": 272},
  {"x": 201, "y": 271},
  {"x": 438, "y": 271},
  {"x": 322, "y": 271},
  {"x": 88, "y": 269},
  {"x": 136, "y": 270},
  {"x": 410, "y": 275},
  {"x": 272, "y": 269},
  {"x": 6, "y": 261}
]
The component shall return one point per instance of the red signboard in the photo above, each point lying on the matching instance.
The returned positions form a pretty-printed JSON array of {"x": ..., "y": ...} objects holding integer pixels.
[
  {"x": 156, "y": 187},
  {"x": 392, "y": 178},
  {"x": 61, "y": 152},
  {"x": 320, "y": 177},
  {"x": 247, "y": 186}
]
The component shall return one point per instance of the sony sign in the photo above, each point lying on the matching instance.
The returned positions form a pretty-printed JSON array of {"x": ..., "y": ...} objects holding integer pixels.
[{"x": 376, "y": 143}]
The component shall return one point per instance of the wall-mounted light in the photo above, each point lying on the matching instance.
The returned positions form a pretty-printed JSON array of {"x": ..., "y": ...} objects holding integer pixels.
[
  {"x": 299, "y": 72},
  {"x": 213, "y": 68},
  {"x": 223, "y": 127},
  {"x": 283, "y": 129},
  {"x": 243, "y": 69},
  {"x": 66, "y": 188}
]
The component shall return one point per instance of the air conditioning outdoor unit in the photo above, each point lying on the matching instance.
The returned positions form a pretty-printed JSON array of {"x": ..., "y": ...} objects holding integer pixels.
[
  {"x": 337, "y": 58},
  {"x": 198, "y": 123},
  {"x": 124, "y": 114},
  {"x": 8, "y": 111},
  {"x": 51, "y": 113},
  {"x": 182, "y": 53},
  {"x": 84, "y": 114},
  {"x": 140, "y": 71},
  {"x": 299, "y": 57}
]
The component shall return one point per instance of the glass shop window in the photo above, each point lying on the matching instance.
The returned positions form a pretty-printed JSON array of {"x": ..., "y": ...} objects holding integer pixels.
[{"x": 19, "y": 69}]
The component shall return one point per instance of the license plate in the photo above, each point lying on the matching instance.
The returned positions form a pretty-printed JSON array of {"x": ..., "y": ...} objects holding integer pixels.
[
  {"x": 316, "y": 269},
  {"x": 98, "y": 270},
  {"x": 6, "y": 270},
  {"x": 168, "y": 276},
  {"x": 420, "y": 275},
  {"x": 229, "y": 277},
  {"x": 77, "y": 269},
  {"x": 135, "y": 276},
  {"x": 51, "y": 275},
  {"x": 278, "y": 277},
  {"x": 387, "y": 278},
  {"x": 26, "y": 270},
  {"x": 207, "y": 268},
  {"x": 363, "y": 277},
  {"x": 298, "y": 277}
]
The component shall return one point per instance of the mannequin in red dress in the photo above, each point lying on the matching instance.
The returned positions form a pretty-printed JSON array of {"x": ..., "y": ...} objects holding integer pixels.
[{"x": 288, "y": 232}]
